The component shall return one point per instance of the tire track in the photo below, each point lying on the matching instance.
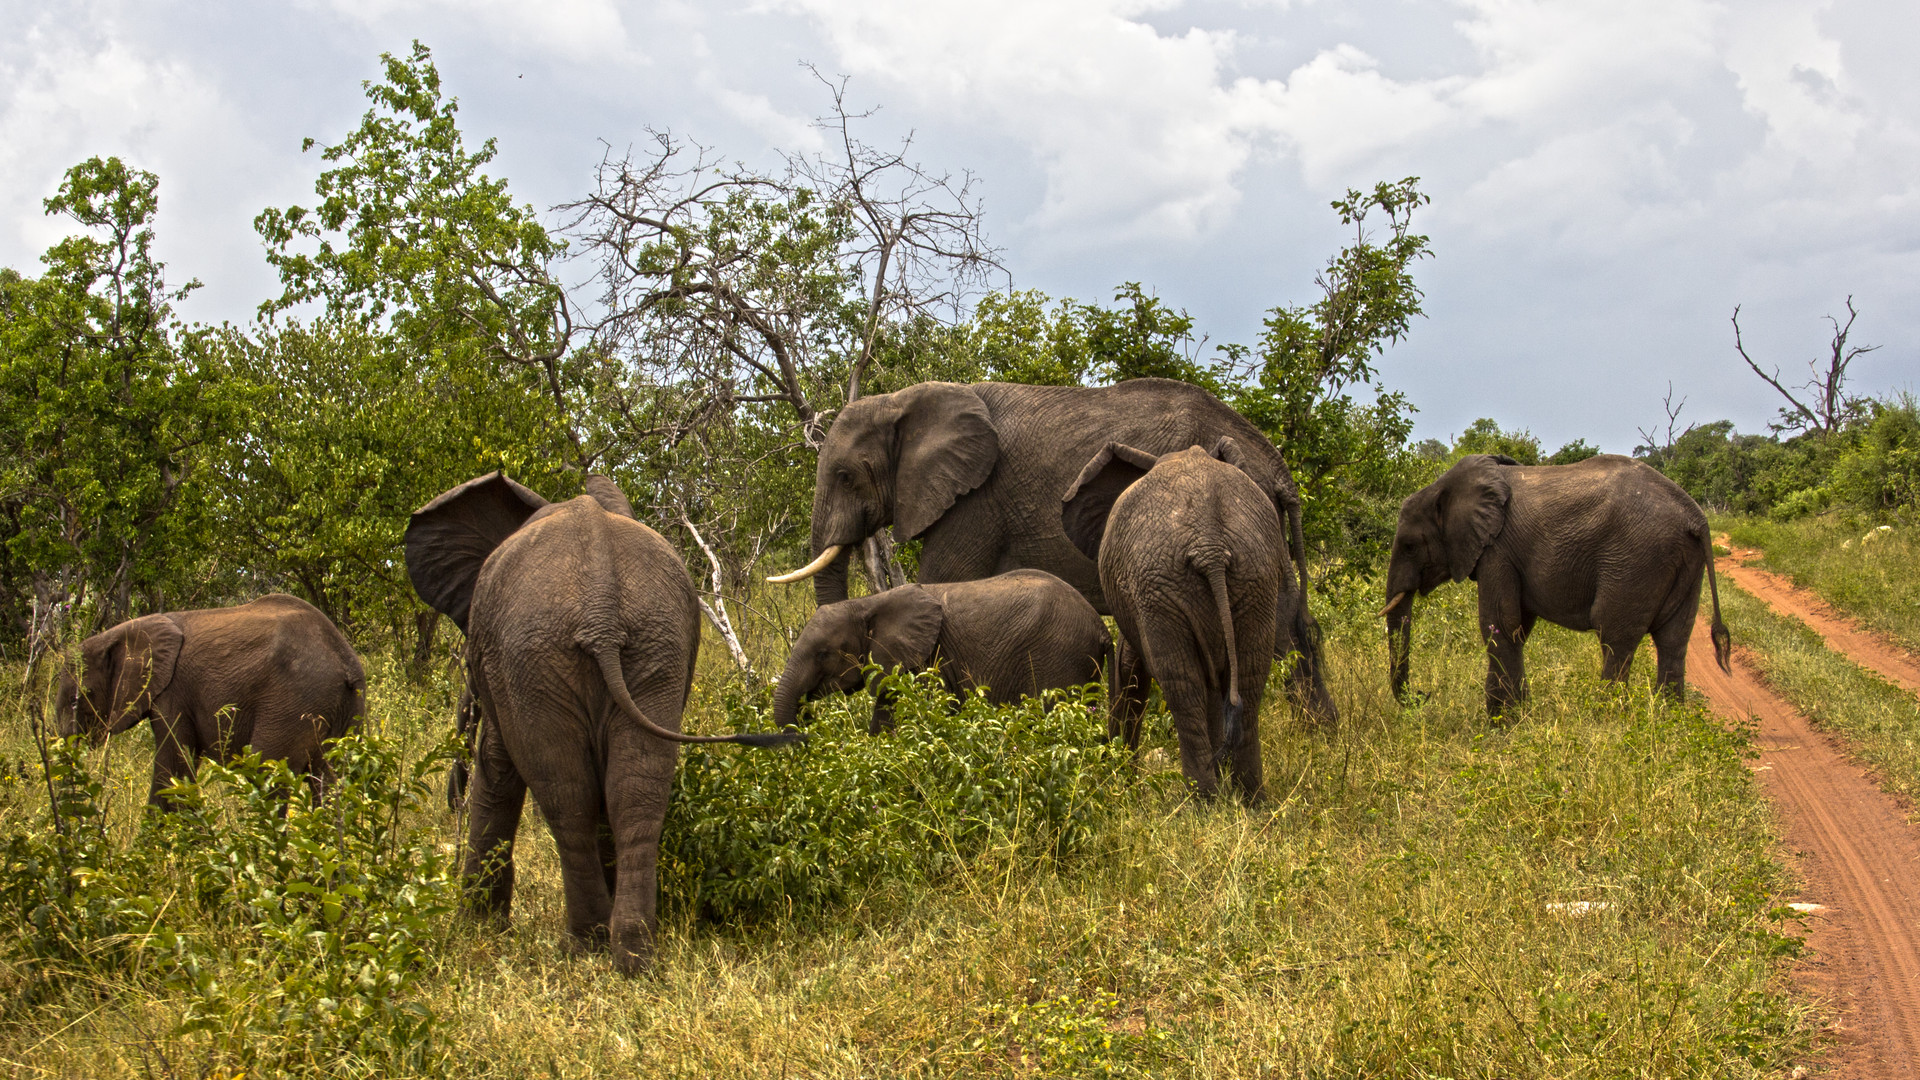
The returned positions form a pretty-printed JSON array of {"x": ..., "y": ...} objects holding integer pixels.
[
  {"x": 1859, "y": 859},
  {"x": 1842, "y": 633}
]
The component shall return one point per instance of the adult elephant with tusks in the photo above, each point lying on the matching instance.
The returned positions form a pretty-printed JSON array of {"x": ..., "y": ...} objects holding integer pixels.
[
  {"x": 1606, "y": 544},
  {"x": 976, "y": 473},
  {"x": 582, "y": 628}
]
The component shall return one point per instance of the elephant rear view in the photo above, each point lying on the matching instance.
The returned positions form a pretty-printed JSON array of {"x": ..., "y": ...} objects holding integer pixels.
[
  {"x": 1193, "y": 564},
  {"x": 275, "y": 675},
  {"x": 582, "y": 629},
  {"x": 1016, "y": 634},
  {"x": 1606, "y": 544}
]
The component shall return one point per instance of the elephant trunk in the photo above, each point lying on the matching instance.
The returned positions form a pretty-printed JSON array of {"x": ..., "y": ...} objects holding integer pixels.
[
  {"x": 786, "y": 700},
  {"x": 830, "y": 582},
  {"x": 1399, "y": 614}
]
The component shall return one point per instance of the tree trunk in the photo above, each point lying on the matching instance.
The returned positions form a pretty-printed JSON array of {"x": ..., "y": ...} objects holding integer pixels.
[{"x": 883, "y": 566}]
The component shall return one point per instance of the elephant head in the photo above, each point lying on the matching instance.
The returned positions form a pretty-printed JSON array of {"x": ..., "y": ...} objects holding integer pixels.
[
  {"x": 897, "y": 459},
  {"x": 1088, "y": 503},
  {"x": 449, "y": 539},
  {"x": 897, "y": 627},
  {"x": 122, "y": 671},
  {"x": 1444, "y": 529}
]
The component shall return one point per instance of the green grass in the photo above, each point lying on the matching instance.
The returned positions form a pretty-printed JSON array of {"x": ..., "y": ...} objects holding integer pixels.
[
  {"x": 1877, "y": 581},
  {"x": 1879, "y": 721},
  {"x": 1398, "y": 910}
]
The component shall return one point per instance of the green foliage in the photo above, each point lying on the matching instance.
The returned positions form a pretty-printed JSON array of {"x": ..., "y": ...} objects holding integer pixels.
[
  {"x": 1577, "y": 450},
  {"x": 1484, "y": 436},
  {"x": 794, "y": 833},
  {"x": 103, "y": 416},
  {"x": 292, "y": 933},
  {"x": 1870, "y": 465},
  {"x": 317, "y": 918},
  {"x": 1075, "y": 1036},
  {"x": 1349, "y": 457}
]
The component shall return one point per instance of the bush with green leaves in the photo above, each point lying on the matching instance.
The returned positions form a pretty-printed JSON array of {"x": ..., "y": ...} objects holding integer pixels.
[
  {"x": 286, "y": 933},
  {"x": 754, "y": 835}
]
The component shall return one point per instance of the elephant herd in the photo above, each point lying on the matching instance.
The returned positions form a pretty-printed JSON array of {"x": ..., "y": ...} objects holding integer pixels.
[{"x": 1038, "y": 510}]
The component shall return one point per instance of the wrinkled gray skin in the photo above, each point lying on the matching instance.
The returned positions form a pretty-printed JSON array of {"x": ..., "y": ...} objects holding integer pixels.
[
  {"x": 1191, "y": 560},
  {"x": 976, "y": 473},
  {"x": 1606, "y": 544},
  {"x": 287, "y": 672},
  {"x": 582, "y": 630},
  {"x": 1016, "y": 634}
]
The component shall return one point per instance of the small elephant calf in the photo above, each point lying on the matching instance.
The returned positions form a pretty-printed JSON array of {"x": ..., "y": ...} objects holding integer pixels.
[
  {"x": 1016, "y": 634},
  {"x": 1193, "y": 564},
  {"x": 275, "y": 675}
]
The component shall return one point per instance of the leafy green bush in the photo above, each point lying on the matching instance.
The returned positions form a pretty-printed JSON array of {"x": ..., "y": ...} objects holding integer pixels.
[
  {"x": 292, "y": 932},
  {"x": 1881, "y": 471},
  {"x": 752, "y": 835},
  {"x": 318, "y": 916}
]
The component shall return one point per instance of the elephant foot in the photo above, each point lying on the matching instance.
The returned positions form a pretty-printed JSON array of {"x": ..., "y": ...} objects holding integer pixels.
[{"x": 593, "y": 939}]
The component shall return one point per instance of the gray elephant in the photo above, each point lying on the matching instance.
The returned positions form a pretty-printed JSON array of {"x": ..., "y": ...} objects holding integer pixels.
[
  {"x": 275, "y": 675},
  {"x": 1605, "y": 544},
  {"x": 1191, "y": 560},
  {"x": 976, "y": 473},
  {"x": 582, "y": 628},
  {"x": 1016, "y": 634}
]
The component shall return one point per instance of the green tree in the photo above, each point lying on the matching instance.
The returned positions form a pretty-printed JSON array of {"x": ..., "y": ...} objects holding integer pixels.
[
  {"x": 441, "y": 350},
  {"x": 1349, "y": 457},
  {"x": 1484, "y": 436},
  {"x": 104, "y": 415}
]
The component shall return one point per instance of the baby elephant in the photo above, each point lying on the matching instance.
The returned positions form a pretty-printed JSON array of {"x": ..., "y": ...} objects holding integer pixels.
[
  {"x": 1192, "y": 564},
  {"x": 275, "y": 674},
  {"x": 1015, "y": 634}
]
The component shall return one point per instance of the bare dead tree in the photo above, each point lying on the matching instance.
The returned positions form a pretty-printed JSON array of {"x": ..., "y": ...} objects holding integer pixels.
[
  {"x": 1829, "y": 406},
  {"x": 1653, "y": 443},
  {"x": 729, "y": 298}
]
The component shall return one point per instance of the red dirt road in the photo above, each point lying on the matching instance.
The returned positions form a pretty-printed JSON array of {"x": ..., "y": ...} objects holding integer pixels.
[
  {"x": 1843, "y": 635},
  {"x": 1860, "y": 860}
]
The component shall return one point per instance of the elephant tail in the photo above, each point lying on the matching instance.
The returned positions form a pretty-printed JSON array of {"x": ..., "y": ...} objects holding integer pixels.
[
  {"x": 608, "y": 657},
  {"x": 1722, "y": 640},
  {"x": 1230, "y": 716}
]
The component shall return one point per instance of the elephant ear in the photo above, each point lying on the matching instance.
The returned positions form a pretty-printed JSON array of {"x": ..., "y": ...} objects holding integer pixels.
[
  {"x": 608, "y": 495},
  {"x": 450, "y": 538},
  {"x": 1473, "y": 510},
  {"x": 945, "y": 446},
  {"x": 142, "y": 654},
  {"x": 903, "y": 627},
  {"x": 1085, "y": 506},
  {"x": 1225, "y": 449}
]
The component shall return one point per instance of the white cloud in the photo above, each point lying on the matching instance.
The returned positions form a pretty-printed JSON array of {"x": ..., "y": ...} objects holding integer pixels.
[{"x": 572, "y": 29}]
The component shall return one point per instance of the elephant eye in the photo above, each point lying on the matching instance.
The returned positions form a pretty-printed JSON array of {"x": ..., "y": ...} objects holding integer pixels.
[{"x": 845, "y": 476}]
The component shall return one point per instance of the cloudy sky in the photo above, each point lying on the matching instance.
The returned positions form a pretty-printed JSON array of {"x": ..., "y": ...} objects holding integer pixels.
[{"x": 1609, "y": 177}]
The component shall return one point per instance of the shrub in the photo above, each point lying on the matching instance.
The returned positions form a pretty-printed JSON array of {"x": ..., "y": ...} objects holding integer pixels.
[{"x": 751, "y": 835}]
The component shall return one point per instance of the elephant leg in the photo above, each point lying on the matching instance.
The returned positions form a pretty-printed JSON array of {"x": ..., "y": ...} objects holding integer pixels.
[
  {"x": 1671, "y": 635},
  {"x": 494, "y": 801},
  {"x": 882, "y": 709},
  {"x": 1243, "y": 761},
  {"x": 639, "y": 782},
  {"x": 1503, "y": 626},
  {"x": 173, "y": 756},
  {"x": 1196, "y": 721},
  {"x": 1616, "y": 653},
  {"x": 1127, "y": 696},
  {"x": 1307, "y": 685},
  {"x": 568, "y": 790}
]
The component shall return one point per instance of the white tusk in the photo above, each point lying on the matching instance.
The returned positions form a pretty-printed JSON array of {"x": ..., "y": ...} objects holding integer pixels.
[
  {"x": 810, "y": 569},
  {"x": 1397, "y": 597}
]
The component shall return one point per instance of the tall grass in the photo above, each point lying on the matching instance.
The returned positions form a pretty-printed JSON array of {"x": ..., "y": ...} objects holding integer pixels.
[
  {"x": 1876, "y": 581},
  {"x": 1585, "y": 891}
]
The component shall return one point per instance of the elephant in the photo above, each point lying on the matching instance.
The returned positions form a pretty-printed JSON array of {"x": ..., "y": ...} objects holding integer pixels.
[
  {"x": 1606, "y": 544},
  {"x": 975, "y": 473},
  {"x": 1190, "y": 555},
  {"x": 274, "y": 674},
  {"x": 582, "y": 629},
  {"x": 1016, "y": 634}
]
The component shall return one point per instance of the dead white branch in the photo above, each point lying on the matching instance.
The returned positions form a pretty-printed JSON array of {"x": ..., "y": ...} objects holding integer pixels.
[{"x": 716, "y": 611}]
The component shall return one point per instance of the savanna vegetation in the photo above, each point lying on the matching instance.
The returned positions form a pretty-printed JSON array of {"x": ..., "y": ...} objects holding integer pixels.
[{"x": 1585, "y": 890}]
